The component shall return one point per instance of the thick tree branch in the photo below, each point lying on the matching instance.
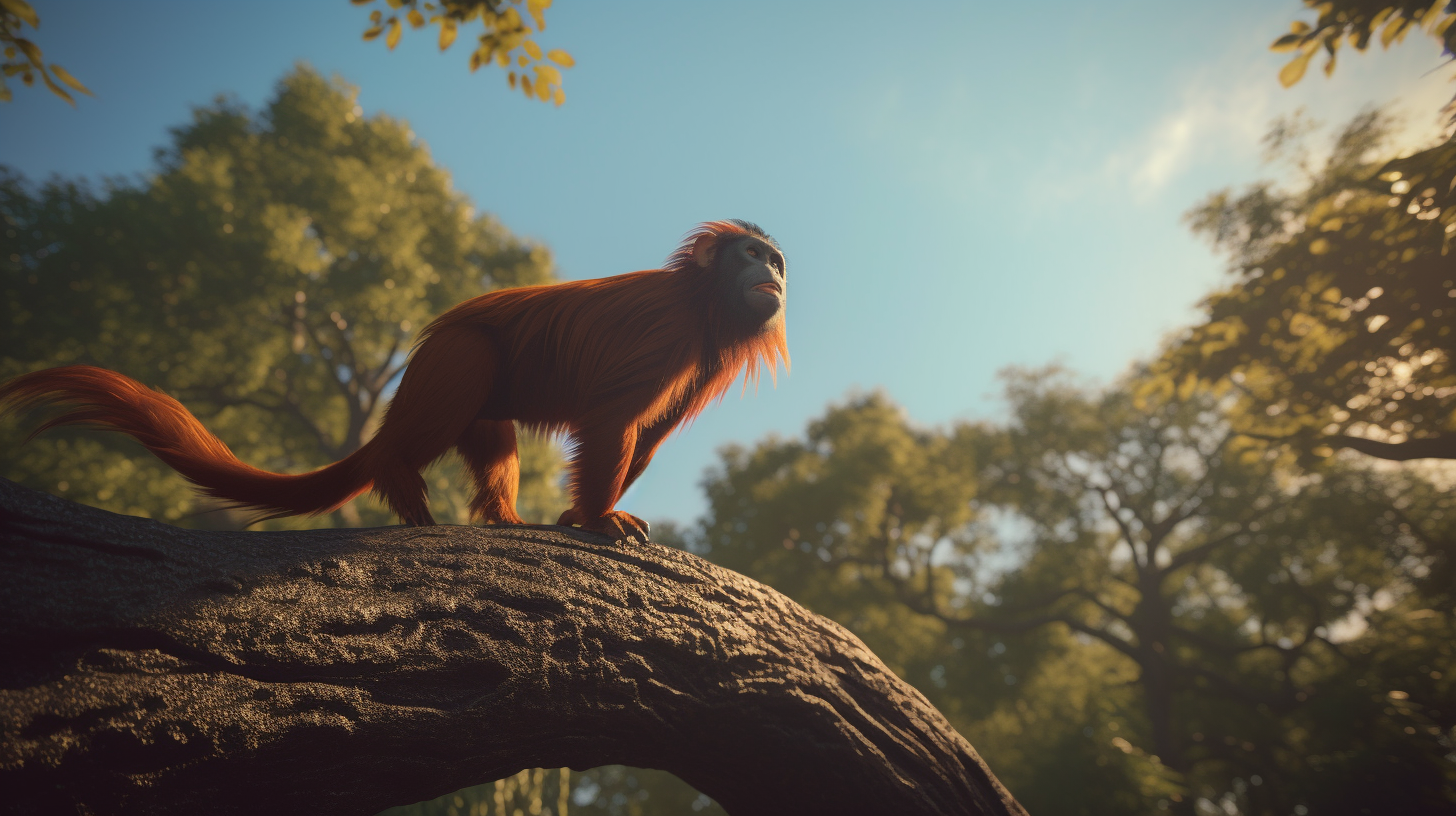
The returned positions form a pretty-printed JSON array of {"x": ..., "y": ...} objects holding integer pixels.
[{"x": 153, "y": 670}]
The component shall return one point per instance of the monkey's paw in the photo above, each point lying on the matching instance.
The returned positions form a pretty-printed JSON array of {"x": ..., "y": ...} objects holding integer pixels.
[{"x": 615, "y": 523}]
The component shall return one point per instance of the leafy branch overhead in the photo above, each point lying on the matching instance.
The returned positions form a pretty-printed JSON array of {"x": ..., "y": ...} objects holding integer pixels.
[
  {"x": 506, "y": 40},
  {"x": 23, "y": 57},
  {"x": 1356, "y": 22}
]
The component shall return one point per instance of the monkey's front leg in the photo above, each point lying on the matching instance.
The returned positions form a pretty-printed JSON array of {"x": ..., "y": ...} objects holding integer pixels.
[{"x": 598, "y": 472}]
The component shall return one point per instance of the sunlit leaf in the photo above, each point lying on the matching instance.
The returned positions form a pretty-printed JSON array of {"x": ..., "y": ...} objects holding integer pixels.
[
  {"x": 532, "y": 48},
  {"x": 560, "y": 97},
  {"x": 1393, "y": 31},
  {"x": 448, "y": 30},
  {"x": 31, "y": 52},
  {"x": 56, "y": 89},
  {"x": 65, "y": 76},
  {"x": 536, "y": 8},
  {"x": 372, "y": 33},
  {"x": 548, "y": 73},
  {"x": 527, "y": 86},
  {"x": 23, "y": 10},
  {"x": 1294, "y": 71},
  {"x": 565, "y": 60},
  {"x": 416, "y": 19},
  {"x": 395, "y": 30}
]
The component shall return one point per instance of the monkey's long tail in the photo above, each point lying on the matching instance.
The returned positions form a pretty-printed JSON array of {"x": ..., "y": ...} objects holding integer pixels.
[{"x": 108, "y": 400}]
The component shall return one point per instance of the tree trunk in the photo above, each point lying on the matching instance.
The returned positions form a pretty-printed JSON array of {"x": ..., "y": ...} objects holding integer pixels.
[{"x": 153, "y": 670}]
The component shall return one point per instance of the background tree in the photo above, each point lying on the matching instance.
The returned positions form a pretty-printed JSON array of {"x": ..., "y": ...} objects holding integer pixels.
[
  {"x": 506, "y": 40},
  {"x": 612, "y": 790},
  {"x": 1337, "y": 330},
  {"x": 270, "y": 275},
  {"x": 1138, "y": 600}
]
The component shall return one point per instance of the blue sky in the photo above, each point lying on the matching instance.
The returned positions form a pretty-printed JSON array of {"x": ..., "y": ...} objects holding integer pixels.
[{"x": 959, "y": 187}]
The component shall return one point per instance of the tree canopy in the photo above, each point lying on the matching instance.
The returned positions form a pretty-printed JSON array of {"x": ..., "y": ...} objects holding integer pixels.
[
  {"x": 1337, "y": 329},
  {"x": 1124, "y": 604}
]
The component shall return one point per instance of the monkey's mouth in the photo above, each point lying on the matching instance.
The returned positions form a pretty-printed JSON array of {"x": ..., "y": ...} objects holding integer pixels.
[{"x": 770, "y": 288}]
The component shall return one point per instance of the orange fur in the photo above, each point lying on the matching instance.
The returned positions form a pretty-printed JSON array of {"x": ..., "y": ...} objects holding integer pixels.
[{"x": 617, "y": 363}]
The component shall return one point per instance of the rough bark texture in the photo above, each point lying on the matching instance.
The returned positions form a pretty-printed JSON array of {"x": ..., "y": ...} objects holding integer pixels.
[{"x": 150, "y": 669}]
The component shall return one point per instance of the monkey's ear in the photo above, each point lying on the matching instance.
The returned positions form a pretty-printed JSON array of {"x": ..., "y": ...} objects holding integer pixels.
[{"x": 704, "y": 248}]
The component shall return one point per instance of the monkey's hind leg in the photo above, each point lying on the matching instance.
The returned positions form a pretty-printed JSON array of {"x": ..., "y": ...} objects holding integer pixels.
[
  {"x": 489, "y": 450},
  {"x": 443, "y": 389}
]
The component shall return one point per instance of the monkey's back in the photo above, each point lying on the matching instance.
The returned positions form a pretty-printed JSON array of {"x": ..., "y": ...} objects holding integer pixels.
[{"x": 629, "y": 343}]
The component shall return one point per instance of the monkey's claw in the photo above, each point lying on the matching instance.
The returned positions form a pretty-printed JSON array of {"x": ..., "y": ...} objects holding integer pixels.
[{"x": 615, "y": 523}]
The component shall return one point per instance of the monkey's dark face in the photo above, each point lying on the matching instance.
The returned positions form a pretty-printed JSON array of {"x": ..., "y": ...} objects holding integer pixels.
[{"x": 754, "y": 279}]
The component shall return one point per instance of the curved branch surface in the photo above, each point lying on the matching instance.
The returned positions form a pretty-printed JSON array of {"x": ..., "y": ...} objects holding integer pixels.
[{"x": 151, "y": 669}]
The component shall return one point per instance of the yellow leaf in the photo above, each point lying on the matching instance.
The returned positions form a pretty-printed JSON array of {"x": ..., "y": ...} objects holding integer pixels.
[
  {"x": 31, "y": 52},
  {"x": 65, "y": 76},
  {"x": 548, "y": 73},
  {"x": 1319, "y": 246},
  {"x": 526, "y": 86},
  {"x": 395, "y": 30},
  {"x": 522, "y": 61},
  {"x": 564, "y": 59},
  {"x": 560, "y": 97},
  {"x": 448, "y": 31},
  {"x": 1291, "y": 73},
  {"x": 1299, "y": 27},
  {"x": 511, "y": 79},
  {"x": 1395, "y": 29},
  {"x": 56, "y": 89},
  {"x": 478, "y": 58},
  {"x": 536, "y": 8},
  {"x": 532, "y": 48},
  {"x": 543, "y": 90},
  {"x": 373, "y": 32},
  {"x": 416, "y": 19},
  {"x": 21, "y": 9},
  {"x": 361, "y": 2},
  {"x": 394, "y": 3}
]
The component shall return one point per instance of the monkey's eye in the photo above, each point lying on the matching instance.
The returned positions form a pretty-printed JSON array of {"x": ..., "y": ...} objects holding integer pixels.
[{"x": 753, "y": 252}]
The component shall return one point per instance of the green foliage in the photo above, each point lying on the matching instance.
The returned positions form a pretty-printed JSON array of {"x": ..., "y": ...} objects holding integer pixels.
[
  {"x": 270, "y": 274},
  {"x": 613, "y": 790},
  {"x": 24, "y": 57},
  {"x": 1338, "y": 329},
  {"x": 1355, "y": 22},
  {"x": 506, "y": 40},
  {"x": 1120, "y": 592}
]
